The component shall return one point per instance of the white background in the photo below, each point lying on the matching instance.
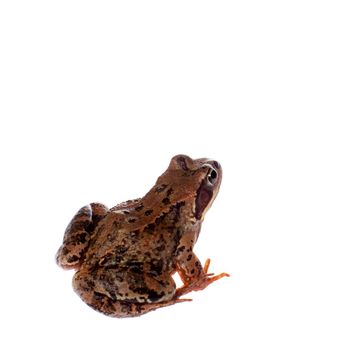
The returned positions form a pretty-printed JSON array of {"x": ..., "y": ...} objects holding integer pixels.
[{"x": 97, "y": 96}]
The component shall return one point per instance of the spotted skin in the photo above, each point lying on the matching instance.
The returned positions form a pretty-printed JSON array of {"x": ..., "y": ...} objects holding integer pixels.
[
  {"x": 125, "y": 257},
  {"x": 78, "y": 234}
]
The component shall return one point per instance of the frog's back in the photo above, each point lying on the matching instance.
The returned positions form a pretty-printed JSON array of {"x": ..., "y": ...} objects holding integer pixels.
[{"x": 132, "y": 235}]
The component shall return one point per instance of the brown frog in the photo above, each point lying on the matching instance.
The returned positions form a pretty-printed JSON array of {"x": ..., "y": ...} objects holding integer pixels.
[{"x": 125, "y": 256}]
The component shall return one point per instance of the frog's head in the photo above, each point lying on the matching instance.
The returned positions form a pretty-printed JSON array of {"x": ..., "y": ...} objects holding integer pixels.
[{"x": 193, "y": 180}]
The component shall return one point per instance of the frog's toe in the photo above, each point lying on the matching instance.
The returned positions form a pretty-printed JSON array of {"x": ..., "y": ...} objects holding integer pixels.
[
  {"x": 178, "y": 300},
  {"x": 206, "y": 280},
  {"x": 200, "y": 283}
]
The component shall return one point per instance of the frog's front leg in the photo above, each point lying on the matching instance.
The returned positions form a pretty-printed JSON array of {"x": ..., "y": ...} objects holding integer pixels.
[
  {"x": 197, "y": 280},
  {"x": 77, "y": 235},
  {"x": 193, "y": 275}
]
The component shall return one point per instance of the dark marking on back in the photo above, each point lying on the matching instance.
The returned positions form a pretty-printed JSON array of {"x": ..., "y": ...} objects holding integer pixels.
[
  {"x": 119, "y": 249},
  {"x": 160, "y": 218},
  {"x": 134, "y": 235},
  {"x": 150, "y": 228},
  {"x": 139, "y": 207},
  {"x": 161, "y": 188},
  {"x": 166, "y": 201}
]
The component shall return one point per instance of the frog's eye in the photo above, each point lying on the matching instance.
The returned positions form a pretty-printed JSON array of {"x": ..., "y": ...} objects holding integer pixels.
[{"x": 212, "y": 176}]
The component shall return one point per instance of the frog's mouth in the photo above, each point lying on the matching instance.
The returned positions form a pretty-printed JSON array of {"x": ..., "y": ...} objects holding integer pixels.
[
  {"x": 207, "y": 191},
  {"x": 204, "y": 199}
]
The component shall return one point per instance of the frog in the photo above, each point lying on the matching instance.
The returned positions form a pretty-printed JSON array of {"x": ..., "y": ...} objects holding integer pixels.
[{"x": 125, "y": 257}]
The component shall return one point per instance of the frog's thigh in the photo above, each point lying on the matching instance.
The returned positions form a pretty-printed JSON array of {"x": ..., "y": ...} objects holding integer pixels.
[
  {"x": 78, "y": 234},
  {"x": 157, "y": 289},
  {"x": 110, "y": 299},
  {"x": 128, "y": 285}
]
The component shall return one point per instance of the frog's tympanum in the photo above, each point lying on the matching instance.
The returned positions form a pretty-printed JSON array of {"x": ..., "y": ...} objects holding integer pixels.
[{"x": 125, "y": 256}]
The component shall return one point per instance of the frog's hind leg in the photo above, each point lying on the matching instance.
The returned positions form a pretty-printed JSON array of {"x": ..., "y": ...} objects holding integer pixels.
[
  {"x": 121, "y": 308},
  {"x": 77, "y": 235},
  {"x": 106, "y": 294}
]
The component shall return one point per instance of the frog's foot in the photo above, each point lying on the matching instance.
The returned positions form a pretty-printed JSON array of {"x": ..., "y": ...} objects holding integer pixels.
[{"x": 201, "y": 282}]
